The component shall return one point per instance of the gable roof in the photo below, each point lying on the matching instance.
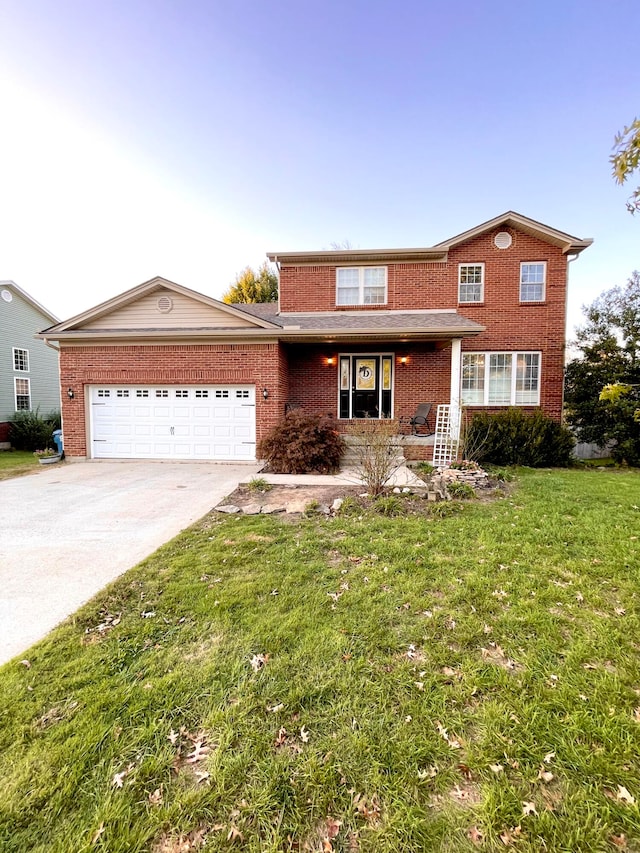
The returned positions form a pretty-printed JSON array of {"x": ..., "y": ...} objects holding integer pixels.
[
  {"x": 75, "y": 325},
  {"x": 566, "y": 242},
  {"x": 11, "y": 285},
  {"x": 569, "y": 244}
]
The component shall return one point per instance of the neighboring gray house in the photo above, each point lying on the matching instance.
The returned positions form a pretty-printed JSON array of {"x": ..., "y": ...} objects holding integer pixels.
[{"x": 29, "y": 372}]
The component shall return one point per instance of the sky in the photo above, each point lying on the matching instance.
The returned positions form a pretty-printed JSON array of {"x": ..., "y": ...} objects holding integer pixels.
[{"x": 186, "y": 139}]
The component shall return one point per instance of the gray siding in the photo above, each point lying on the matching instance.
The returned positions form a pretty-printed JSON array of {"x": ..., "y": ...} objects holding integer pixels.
[{"x": 19, "y": 322}]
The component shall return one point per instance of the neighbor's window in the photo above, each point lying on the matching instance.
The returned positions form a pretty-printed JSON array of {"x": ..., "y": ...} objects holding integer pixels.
[
  {"x": 470, "y": 282},
  {"x": 532, "y": 282},
  {"x": 21, "y": 359},
  {"x": 23, "y": 395},
  {"x": 500, "y": 379},
  {"x": 361, "y": 285}
]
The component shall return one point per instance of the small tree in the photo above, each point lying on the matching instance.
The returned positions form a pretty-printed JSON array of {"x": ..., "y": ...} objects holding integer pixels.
[
  {"x": 302, "y": 444},
  {"x": 375, "y": 446},
  {"x": 251, "y": 286},
  {"x": 626, "y": 160},
  {"x": 610, "y": 355},
  {"x": 622, "y": 409}
]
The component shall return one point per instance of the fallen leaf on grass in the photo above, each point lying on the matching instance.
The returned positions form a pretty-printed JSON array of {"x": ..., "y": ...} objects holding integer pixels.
[
  {"x": 428, "y": 773},
  {"x": 234, "y": 833},
  {"x": 444, "y": 734},
  {"x": 496, "y": 768},
  {"x": 156, "y": 797},
  {"x": 26, "y": 663},
  {"x": 549, "y": 757},
  {"x": 528, "y": 808},
  {"x": 544, "y": 775},
  {"x": 273, "y": 709},
  {"x": 202, "y": 776},
  {"x": 508, "y": 836},
  {"x": 624, "y": 795},
  {"x": 200, "y": 750},
  {"x": 618, "y": 840},
  {"x": 258, "y": 662},
  {"x": 619, "y": 611},
  {"x": 476, "y": 835},
  {"x": 304, "y": 735},
  {"x": 118, "y": 778},
  {"x": 97, "y": 833}
]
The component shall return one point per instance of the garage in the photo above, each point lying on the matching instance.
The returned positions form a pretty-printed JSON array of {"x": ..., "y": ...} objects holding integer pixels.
[{"x": 173, "y": 422}]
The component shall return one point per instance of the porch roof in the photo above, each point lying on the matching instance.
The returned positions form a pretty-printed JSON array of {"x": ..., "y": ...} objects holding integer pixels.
[{"x": 397, "y": 325}]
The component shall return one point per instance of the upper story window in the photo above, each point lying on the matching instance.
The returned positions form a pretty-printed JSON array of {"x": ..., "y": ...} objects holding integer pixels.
[
  {"x": 532, "y": 282},
  {"x": 21, "y": 360},
  {"x": 470, "y": 282},
  {"x": 361, "y": 285}
]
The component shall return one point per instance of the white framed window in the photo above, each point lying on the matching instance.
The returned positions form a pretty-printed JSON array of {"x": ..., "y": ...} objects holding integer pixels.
[
  {"x": 500, "y": 379},
  {"x": 23, "y": 394},
  {"x": 361, "y": 285},
  {"x": 21, "y": 359},
  {"x": 470, "y": 282},
  {"x": 533, "y": 279}
]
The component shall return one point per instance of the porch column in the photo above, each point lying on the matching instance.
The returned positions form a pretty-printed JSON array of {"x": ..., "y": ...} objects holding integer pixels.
[{"x": 456, "y": 361}]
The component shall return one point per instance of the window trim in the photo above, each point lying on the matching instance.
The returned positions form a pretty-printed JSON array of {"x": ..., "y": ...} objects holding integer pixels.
[
  {"x": 543, "y": 298},
  {"x": 26, "y": 379},
  {"x": 460, "y": 283},
  {"x": 514, "y": 377},
  {"x": 361, "y": 286},
  {"x": 15, "y": 351}
]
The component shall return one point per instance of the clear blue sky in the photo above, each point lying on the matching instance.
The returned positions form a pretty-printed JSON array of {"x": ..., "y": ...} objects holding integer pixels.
[{"x": 186, "y": 139}]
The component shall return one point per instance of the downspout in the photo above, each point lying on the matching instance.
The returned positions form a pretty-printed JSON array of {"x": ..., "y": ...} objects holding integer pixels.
[{"x": 570, "y": 260}]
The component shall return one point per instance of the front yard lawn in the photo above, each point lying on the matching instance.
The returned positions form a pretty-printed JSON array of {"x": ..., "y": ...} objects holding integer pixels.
[
  {"x": 461, "y": 682},
  {"x": 13, "y": 463}
]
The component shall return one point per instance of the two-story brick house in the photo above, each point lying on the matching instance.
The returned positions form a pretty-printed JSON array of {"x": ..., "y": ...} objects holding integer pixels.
[{"x": 478, "y": 320}]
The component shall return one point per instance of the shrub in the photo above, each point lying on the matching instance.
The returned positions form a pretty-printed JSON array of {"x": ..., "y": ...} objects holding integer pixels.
[
  {"x": 32, "y": 431},
  {"x": 458, "y": 489},
  {"x": 389, "y": 505},
  {"x": 259, "y": 484},
  {"x": 513, "y": 437},
  {"x": 301, "y": 444}
]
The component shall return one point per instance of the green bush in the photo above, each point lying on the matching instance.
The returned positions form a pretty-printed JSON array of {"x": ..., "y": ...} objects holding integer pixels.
[
  {"x": 458, "y": 489},
  {"x": 513, "y": 437},
  {"x": 301, "y": 444},
  {"x": 33, "y": 431}
]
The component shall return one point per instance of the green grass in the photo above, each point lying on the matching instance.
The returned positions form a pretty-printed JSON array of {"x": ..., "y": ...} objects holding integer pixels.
[
  {"x": 14, "y": 463},
  {"x": 376, "y": 707}
]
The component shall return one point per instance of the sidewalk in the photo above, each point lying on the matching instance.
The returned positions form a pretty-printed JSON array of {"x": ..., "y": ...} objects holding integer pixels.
[{"x": 402, "y": 477}]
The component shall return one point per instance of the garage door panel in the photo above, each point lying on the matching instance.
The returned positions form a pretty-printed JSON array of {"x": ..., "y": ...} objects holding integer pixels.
[{"x": 186, "y": 422}]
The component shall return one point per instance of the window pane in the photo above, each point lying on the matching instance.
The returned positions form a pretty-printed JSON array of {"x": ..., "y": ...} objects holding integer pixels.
[
  {"x": 374, "y": 276},
  {"x": 347, "y": 296},
  {"x": 527, "y": 378},
  {"x": 348, "y": 277},
  {"x": 470, "y": 283},
  {"x": 23, "y": 396},
  {"x": 374, "y": 296},
  {"x": 500, "y": 378},
  {"x": 470, "y": 293},
  {"x": 473, "y": 379}
]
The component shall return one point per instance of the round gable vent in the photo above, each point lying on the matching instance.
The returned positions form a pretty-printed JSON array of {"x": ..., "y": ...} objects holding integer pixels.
[
  {"x": 502, "y": 240},
  {"x": 164, "y": 304},
  {"x": 7, "y": 295}
]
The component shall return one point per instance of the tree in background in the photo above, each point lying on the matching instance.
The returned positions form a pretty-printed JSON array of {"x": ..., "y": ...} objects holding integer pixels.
[
  {"x": 626, "y": 160},
  {"x": 252, "y": 286},
  {"x": 602, "y": 385}
]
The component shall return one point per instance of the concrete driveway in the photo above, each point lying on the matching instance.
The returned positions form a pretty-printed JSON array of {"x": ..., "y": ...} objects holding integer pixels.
[{"x": 68, "y": 530}]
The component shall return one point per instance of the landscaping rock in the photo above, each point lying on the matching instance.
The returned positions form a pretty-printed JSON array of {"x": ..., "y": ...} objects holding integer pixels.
[
  {"x": 335, "y": 506},
  {"x": 270, "y": 509},
  {"x": 230, "y": 508},
  {"x": 252, "y": 509}
]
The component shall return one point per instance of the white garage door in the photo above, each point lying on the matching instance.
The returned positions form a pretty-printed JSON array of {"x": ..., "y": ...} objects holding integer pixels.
[{"x": 173, "y": 422}]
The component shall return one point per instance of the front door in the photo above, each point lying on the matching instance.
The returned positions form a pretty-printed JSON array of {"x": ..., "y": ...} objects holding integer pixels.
[{"x": 365, "y": 386}]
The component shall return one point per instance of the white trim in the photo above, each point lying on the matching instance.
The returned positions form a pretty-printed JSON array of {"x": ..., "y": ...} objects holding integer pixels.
[
  {"x": 361, "y": 285},
  {"x": 460, "y": 283},
  {"x": 26, "y": 379},
  {"x": 456, "y": 384},
  {"x": 26, "y": 369},
  {"x": 487, "y": 373},
  {"x": 543, "y": 264}
]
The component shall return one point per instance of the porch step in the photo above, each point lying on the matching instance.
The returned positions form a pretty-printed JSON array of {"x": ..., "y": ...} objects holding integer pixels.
[{"x": 353, "y": 451}]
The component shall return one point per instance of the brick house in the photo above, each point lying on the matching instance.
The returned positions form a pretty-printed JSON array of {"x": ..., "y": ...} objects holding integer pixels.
[{"x": 161, "y": 371}]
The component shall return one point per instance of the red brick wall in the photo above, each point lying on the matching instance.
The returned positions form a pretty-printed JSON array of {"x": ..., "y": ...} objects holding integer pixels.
[
  {"x": 510, "y": 325},
  {"x": 262, "y": 365}
]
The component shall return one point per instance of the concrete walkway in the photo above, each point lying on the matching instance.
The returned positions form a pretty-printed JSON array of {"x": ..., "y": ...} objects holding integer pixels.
[
  {"x": 68, "y": 530},
  {"x": 403, "y": 476}
]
